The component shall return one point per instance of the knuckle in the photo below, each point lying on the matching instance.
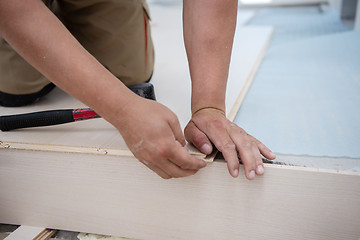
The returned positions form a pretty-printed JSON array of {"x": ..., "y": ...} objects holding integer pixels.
[
  {"x": 163, "y": 150},
  {"x": 227, "y": 146},
  {"x": 248, "y": 144},
  {"x": 242, "y": 131},
  {"x": 152, "y": 159},
  {"x": 173, "y": 119},
  {"x": 184, "y": 165},
  {"x": 259, "y": 161}
]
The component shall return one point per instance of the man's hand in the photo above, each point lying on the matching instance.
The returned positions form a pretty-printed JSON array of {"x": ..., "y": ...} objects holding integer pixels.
[
  {"x": 153, "y": 134},
  {"x": 210, "y": 125}
]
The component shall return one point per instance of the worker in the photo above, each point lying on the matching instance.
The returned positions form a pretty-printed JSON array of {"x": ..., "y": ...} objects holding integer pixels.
[{"x": 85, "y": 47}]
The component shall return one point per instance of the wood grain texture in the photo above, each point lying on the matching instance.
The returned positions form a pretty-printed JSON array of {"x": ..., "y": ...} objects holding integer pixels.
[
  {"x": 45, "y": 235},
  {"x": 121, "y": 197},
  {"x": 3, "y": 236},
  {"x": 26, "y": 233}
]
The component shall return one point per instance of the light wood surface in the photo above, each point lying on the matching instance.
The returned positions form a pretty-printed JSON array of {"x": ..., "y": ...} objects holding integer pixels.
[
  {"x": 3, "y": 236},
  {"x": 25, "y": 233},
  {"x": 45, "y": 234},
  {"x": 121, "y": 197}
]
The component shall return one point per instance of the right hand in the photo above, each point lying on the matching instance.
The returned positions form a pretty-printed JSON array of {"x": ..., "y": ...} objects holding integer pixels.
[{"x": 153, "y": 134}]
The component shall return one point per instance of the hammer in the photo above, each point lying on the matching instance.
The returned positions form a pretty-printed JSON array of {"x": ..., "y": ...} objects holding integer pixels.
[{"x": 55, "y": 117}]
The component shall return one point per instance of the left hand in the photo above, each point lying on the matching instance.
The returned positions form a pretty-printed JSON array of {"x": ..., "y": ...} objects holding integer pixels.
[{"x": 210, "y": 125}]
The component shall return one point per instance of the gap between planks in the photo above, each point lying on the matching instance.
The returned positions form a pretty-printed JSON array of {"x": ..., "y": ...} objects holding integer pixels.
[{"x": 84, "y": 150}]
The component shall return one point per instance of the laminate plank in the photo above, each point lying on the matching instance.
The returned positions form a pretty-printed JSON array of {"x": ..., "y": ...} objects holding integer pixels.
[
  {"x": 45, "y": 235},
  {"x": 119, "y": 196},
  {"x": 25, "y": 233}
]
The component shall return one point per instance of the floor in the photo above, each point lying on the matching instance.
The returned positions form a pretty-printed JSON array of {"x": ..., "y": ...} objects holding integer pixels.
[{"x": 304, "y": 100}]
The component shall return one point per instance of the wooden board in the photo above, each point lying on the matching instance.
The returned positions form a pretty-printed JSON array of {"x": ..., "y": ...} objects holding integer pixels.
[
  {"x": 44, "y": 235},
  {"x": 25, "y": 233},
  {"x": 121, "y": 197},
  {"x": 3, "y": 235}
]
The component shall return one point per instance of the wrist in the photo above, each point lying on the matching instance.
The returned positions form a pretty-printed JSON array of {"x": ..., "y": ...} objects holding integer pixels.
[
  {"x": 112, "y": 102},
  {"x": 218, "y": 106},
  {"x": 210, "y": 109},
  {"x": 208, "y": 94}
]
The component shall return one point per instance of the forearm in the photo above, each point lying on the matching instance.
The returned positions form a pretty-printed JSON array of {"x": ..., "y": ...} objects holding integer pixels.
[
  {"x": 209, "y": 27},
  {"x": 36, "y": 34}
]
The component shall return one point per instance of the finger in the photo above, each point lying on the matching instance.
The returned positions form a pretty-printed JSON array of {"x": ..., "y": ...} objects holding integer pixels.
[
  {"x": 175, "y": 171},
  {"x": 249, "y": 153},
  {"x": 265, "y": 151},
  {"x": 181, "y": 157},
  {"x": 222, "y": 141},
  {"x": 155, "y": 169},
  {"x": 198, "y": 138},
  {"x": 176, "y": 129}
]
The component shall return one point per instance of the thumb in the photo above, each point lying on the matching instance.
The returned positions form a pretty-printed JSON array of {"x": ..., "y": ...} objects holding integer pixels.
[
  {"x": 198, "y": 138},
  {"x": 176, "y": 129}
]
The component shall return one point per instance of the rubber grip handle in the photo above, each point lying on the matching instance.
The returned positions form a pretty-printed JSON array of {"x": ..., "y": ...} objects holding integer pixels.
[{"x": 37, "y": 119}]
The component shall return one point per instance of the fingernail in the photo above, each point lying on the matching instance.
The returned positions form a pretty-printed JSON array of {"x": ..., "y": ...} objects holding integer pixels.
[
  {"x": 273, "y": 155},
  {"x": 251, "y": 174},
  {"x": 206, "y": 148},
  {"x": 260, "y": 170},
  {"x": 236, "y": 173}
]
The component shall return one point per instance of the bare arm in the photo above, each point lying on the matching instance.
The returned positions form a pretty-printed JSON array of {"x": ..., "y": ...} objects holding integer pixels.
[
  {"x": 37, "y": 35},
  {"x": 209, "y": 27},
  {"x": 43, "y": 41}
]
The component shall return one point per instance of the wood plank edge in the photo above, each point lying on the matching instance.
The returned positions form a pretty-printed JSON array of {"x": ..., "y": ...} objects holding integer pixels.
[
  {"x": 211, "y": 158},
  {"x": 248, "y": 20},
  {"x": 45, "y": 234},
  {"x": 26, "y": 232},
  {"x": 312, "y": 169},
  {"x": 80, "y": 150},
  {"x": 239, "y": 100}
]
